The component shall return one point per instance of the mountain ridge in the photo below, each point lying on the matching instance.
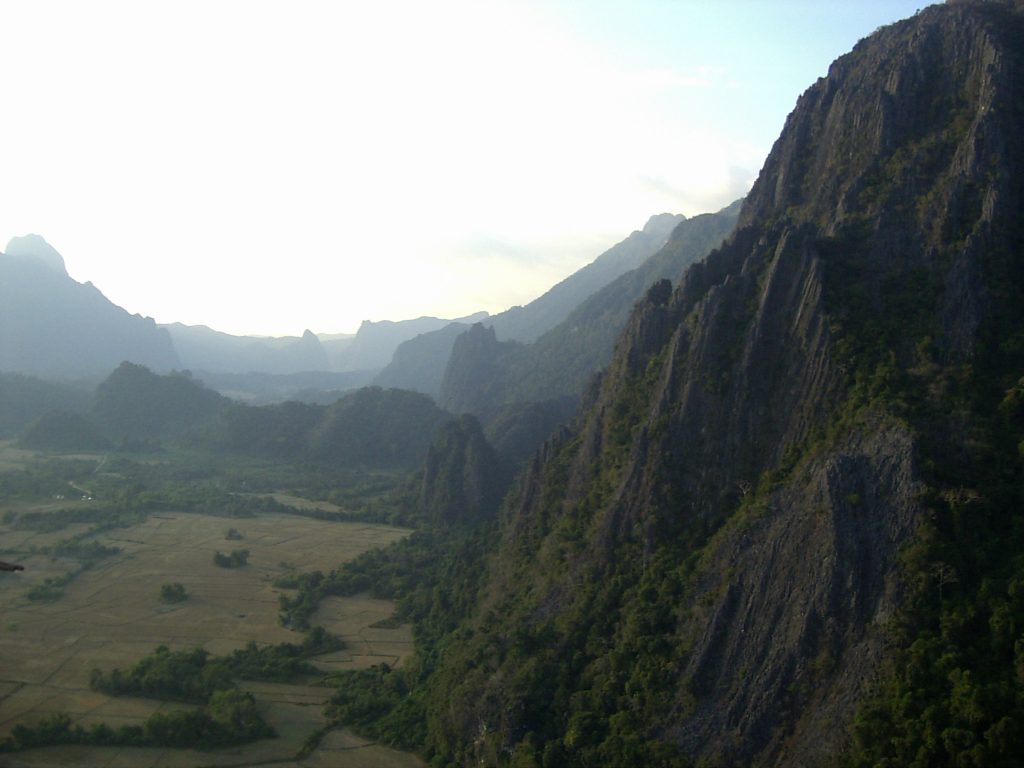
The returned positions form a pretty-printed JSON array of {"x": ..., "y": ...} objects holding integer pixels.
[
  {"x": 732, "y": 556},
  {"x": 561, "y": 361},
  {"x": 419, "y": 363},
  {"x": 52, "y": 325}
]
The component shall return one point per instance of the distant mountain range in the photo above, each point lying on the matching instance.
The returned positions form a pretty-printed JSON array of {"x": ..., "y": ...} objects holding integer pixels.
[
  {"x": 420, "y": 363},
  {"x": 53, "y": 326},
  {"x": 528, "y": 322},
  {"x": 485, "y": 373},
  {"x": 204, "y": 349}
]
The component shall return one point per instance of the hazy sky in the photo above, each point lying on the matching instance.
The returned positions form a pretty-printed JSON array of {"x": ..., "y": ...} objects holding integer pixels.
[{"x": 265, "y": 167}]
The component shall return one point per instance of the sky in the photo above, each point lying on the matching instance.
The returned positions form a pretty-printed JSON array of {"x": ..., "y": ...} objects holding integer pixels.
[{"x": 267, "y": 167}]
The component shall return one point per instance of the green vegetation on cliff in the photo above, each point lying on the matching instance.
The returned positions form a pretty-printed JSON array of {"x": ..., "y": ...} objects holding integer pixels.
[{"x": 782, "y": 531}]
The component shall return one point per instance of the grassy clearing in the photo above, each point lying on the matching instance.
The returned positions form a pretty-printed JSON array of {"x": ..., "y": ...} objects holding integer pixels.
[
  {"x": 13, "y": 458},
  {"x": 305, "y": 504}
]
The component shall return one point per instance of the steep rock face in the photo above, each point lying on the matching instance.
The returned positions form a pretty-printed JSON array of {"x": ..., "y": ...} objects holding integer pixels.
[
  {"x": 51, "y": 325},
  {"x": 478, "y": 372},
  {"x": 813, "y": 581},
  {"x": 708, "y": 564},
  {"x": 463, "y": 480}
]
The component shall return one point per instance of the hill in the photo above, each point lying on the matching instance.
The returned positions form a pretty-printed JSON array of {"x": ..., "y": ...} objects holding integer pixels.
[
  {"x": 375, "y": 342},
  {"x": 133, "y": 403},
  {"x": 370, "y": 427},
  {"x": 23, "y": 399}
]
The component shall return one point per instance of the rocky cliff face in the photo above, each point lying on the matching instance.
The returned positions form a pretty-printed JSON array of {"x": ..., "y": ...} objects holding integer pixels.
[
  {"x": 463, "y": 480},
  {"x": 706, "y": 568},
  {"x": 478, "y": 374}
]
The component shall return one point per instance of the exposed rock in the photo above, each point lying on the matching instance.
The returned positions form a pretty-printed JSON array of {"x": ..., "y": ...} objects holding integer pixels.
[
  {"x": 463, "y": 480},
  {"x": 752, "y": 450}
]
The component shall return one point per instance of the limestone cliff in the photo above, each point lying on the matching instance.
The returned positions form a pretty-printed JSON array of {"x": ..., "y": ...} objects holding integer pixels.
[
  {"x": 707, "y": 567},
  {"x": 463, "y": 480}
]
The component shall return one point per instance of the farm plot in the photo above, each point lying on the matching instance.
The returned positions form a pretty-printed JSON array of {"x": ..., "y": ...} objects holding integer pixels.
[
  {"x": 112, "y": 615},
  {"x": 12, "y": 457}
]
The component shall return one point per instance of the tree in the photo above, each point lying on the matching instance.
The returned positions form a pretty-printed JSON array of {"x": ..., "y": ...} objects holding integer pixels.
[
  {"x": 236, "y": 559},
  {"x": 173, "y": 593}
]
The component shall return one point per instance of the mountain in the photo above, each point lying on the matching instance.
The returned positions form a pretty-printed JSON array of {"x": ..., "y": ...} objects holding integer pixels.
[
  {"x": 370, "y": 427},
  {"x": 785, "y": 527},
  {"x": 463, "y": 479},
  {"x": 543, "y": 313},
  {"x": 484, "y": 373},
  {"x": 420, "y": 362},
  {"x": 203, "y": 349},
  {"x": 375, "y": 342},
  {"x": 53, "y": 326},
  {"x": 377, "y": 427},
  {"x": 24, "y": 399},
  {"x": 134, "y": 403},
  {"x": 63, "y": 431}
]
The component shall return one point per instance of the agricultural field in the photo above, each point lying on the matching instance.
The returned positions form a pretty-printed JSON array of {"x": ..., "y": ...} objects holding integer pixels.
[{"x": 110, "y": 614}]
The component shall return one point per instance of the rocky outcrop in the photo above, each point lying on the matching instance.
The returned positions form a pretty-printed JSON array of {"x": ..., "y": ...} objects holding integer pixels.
[
  {"x": 707, "y": 566},
  {"x": 479, "y": 371},
  {"x": 796, "y": 627},
  {"x": 463, "y": 480}
]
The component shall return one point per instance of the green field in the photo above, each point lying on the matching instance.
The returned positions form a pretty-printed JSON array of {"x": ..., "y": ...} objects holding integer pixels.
[{"x": 111, "y": 615}]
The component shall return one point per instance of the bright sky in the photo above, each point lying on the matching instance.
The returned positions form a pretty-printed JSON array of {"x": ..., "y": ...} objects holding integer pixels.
[{"x": 265, "y": 167}]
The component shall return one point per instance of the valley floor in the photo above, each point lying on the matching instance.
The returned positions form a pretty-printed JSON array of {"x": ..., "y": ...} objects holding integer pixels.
[{"x": 111, "y": 615}]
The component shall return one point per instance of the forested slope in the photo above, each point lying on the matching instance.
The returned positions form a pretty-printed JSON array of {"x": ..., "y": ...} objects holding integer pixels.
[{"x": 782, "y": 530}]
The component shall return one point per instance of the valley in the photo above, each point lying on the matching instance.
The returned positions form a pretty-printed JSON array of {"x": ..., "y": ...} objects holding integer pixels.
[
  {"x": 747, "y": 490},
  {"x": 110, "y": 614}
]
